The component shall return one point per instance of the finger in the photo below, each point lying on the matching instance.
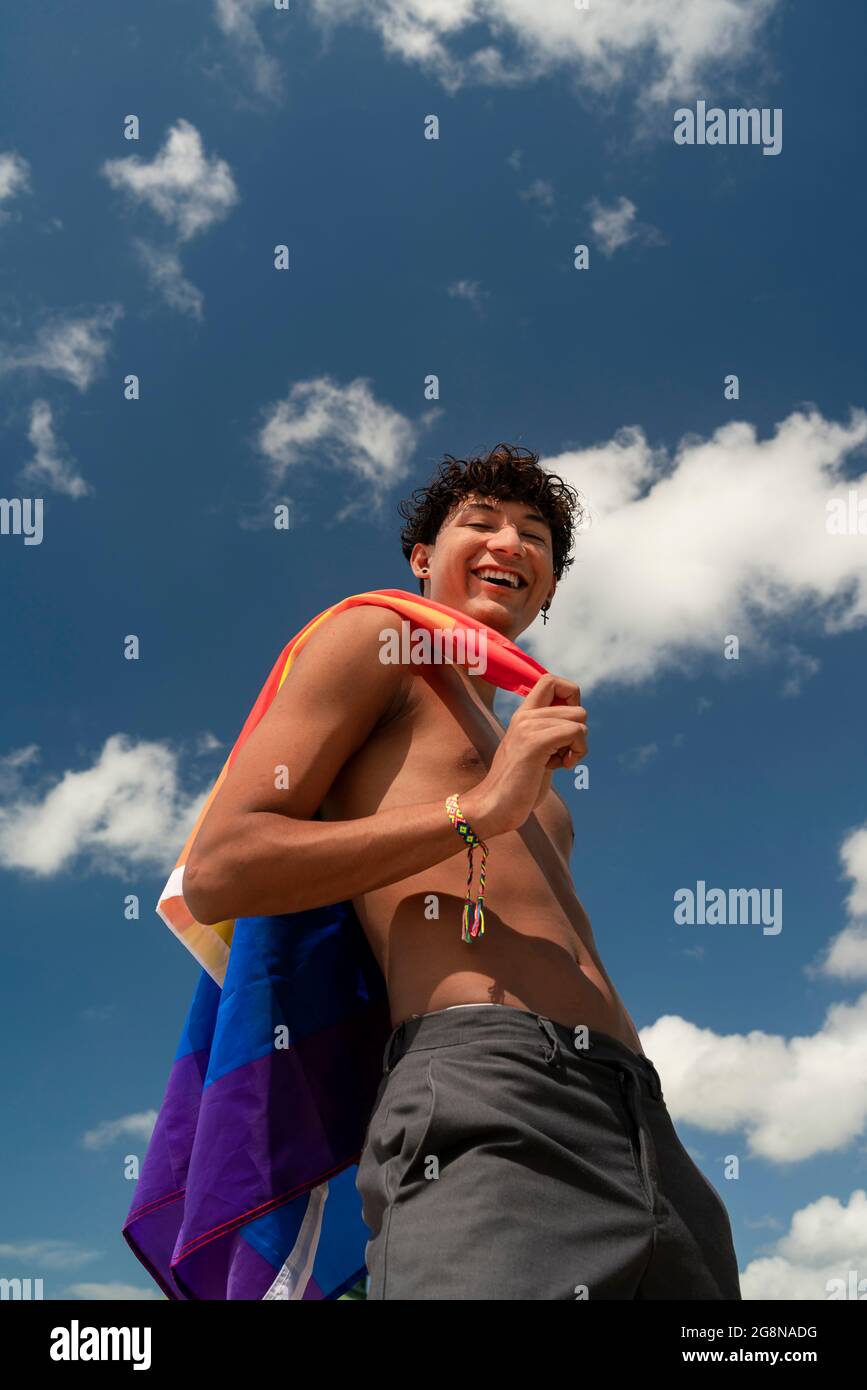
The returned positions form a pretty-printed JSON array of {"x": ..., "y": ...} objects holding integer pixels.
[
  {"x": 550, "y": 739},
  {"x": 560, "y": 712},
  {"x": 550, "y": 687}
]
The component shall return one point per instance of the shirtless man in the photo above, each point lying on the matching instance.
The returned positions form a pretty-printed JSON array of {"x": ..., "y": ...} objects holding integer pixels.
[{"x": 543, "y": 1106}]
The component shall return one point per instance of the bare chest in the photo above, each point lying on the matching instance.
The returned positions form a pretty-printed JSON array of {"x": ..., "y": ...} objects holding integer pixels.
[{"x": 420, "y": 754}]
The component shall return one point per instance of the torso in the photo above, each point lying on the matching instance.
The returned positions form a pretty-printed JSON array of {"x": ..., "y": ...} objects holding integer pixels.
[{"x": 533, "y": 955}]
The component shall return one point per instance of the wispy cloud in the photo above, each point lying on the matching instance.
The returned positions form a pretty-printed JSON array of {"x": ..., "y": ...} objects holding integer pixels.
[
  {"x": 615, "y": 226},
  {"x": 49, "y": 467},
  {"x": 648, "y": 45},
  {"x": 540, "y": 191},
  {"x": 14, "y": 179},
  {"x": 138, "y": 1127},
  {"x": 127, "y": 809},
  {"x": 846, "y": 956},
  {"x": 802, "y": 667},
  {"x": 47, "y": 1254},
  {"x": 69, "y": 347},
  {"x": 122, "y": 1293},
  {"x": 324, "y": 426},
  {"x": 637, "y": 759},
  {"x": 189, "y": 191},
  {"x": 13, "y": 765},
  {"x": 612, "y": 226},
  {"x": 470, "y": 290},
  {"x": 235, "y": 18},
  {"x": 163, "y": 266},
  {"x": 207, "y": 743}
]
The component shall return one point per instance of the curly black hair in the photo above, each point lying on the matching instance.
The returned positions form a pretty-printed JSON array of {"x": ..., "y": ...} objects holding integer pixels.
[{"x": 507, "y": 473}]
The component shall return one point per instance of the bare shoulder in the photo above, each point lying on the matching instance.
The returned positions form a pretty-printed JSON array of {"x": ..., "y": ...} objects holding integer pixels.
[
  {"x": 348, "y": 660},
  {"x": 360, "y": 633}
]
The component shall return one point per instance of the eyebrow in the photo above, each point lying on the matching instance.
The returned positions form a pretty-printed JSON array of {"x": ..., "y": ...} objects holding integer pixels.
[{"x": 488, "y": 507}]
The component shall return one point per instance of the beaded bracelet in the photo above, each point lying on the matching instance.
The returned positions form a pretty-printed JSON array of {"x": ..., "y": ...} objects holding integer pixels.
[{"x": 470, "y": 931}]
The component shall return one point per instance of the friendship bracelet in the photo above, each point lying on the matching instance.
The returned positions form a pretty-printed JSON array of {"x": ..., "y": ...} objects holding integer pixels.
[{"x": 470, "y": 931}]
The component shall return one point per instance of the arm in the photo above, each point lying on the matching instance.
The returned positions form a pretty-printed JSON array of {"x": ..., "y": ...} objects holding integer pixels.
[{"x": 258, "y": 851}]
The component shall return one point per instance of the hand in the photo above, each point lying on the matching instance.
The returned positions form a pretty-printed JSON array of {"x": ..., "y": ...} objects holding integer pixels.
[{"x": 540, "y": 738}]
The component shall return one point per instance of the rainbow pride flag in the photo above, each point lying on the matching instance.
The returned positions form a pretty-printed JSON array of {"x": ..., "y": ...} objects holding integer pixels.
[{"x": 248, "y": 1189}]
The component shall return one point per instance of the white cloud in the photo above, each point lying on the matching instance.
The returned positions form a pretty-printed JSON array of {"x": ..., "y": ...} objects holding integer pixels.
[
  {"x": 127, "y": 809},
  {"x": 470, "y": 290},
  {"x": 792, "y": 1097},
  {"x": 48, "y": 466},
  {"x": 613, "y": 226},
  {"x": 322, "y": 425},
  {"x": 235, "y": 19},
  {"x": 207, "y": 743},
  {"x": 825, "y": 1241},
  {"x": 139, "y": 1127},
  {"x": 186, "y": 189},
  {"x": 540, "y": 191},
  {"x": 12, "y": 765},
  {"x": 99, "y": 1013},
  {"x": 14, "y": 178},
  {"x": 123, "y": 1293},
  {"x": 726, "y": 537},
  {"x": 801, "y": 668},
  {"x": 72, "y": 348},
  {"x": 846, "y": 956},
  {"x": 163, "y": 265},
  {"x": 47, "y": 1254},
  {"x": 658, "y": 48},
  {"x": 636, "y": 759}
]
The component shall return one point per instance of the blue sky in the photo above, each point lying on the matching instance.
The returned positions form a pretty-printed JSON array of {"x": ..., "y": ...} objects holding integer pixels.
[{"x": 410, "y": 257}]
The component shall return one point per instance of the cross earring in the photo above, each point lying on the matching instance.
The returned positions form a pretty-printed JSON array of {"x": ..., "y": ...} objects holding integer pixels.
[{"x": 545, "y": 607}]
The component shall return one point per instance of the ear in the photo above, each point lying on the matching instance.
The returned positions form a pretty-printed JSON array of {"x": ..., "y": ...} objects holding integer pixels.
[{"x": 420, "y": 562}]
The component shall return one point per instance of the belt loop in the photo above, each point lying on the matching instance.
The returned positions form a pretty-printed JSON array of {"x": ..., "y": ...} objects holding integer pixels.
[
  {"x": 548, "y": 1029},
  {"x": 394, "y": 1038}
]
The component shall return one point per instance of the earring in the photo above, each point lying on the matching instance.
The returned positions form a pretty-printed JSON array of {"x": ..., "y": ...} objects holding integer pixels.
[{"x": 545, "y": 606}]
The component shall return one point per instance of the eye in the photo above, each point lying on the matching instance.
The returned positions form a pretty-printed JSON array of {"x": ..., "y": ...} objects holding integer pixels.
[{"x": 486, "y": 526}]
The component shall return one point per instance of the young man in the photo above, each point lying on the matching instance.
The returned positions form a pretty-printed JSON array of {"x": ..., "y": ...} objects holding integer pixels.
[{"x": 519, "y": 1146}]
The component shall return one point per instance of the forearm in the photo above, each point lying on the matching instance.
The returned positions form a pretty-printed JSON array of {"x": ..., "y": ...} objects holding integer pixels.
[{"x": 272, "y": 865}]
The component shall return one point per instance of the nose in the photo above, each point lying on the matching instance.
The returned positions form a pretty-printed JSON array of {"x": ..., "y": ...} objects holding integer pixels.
[{"x": 508, "y": 539}]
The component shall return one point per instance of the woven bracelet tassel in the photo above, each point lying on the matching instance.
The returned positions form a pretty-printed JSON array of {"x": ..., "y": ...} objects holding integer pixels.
[
  {"x": 477, "y": 928},
  {"x": 471, "y": 930}
]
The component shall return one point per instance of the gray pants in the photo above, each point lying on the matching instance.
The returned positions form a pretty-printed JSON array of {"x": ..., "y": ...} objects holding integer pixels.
[{"x": 502, "y": 1163}]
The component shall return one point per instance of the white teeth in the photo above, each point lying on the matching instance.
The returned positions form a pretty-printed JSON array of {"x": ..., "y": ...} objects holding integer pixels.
[{"x": 499, "y": 574}]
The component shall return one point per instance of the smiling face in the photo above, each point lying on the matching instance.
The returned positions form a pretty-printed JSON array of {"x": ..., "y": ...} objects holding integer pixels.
[{"x": 492, "y": 560}]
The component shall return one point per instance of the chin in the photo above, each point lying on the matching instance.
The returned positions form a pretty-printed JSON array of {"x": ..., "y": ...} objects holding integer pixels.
[{"x": 495, "y": 615}]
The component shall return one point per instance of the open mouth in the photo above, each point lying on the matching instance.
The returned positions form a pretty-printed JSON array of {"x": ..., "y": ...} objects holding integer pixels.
[{"x": 499, "y": 579}]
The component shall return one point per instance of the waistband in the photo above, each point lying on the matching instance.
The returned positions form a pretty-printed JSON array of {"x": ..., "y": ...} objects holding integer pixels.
[{"x": 445, "y": 1027}]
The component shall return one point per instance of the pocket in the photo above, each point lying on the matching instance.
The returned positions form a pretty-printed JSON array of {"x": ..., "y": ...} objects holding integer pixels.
[
  {"x": 635, "y": 1140},
  {"x": 406, "y": 1133}
]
